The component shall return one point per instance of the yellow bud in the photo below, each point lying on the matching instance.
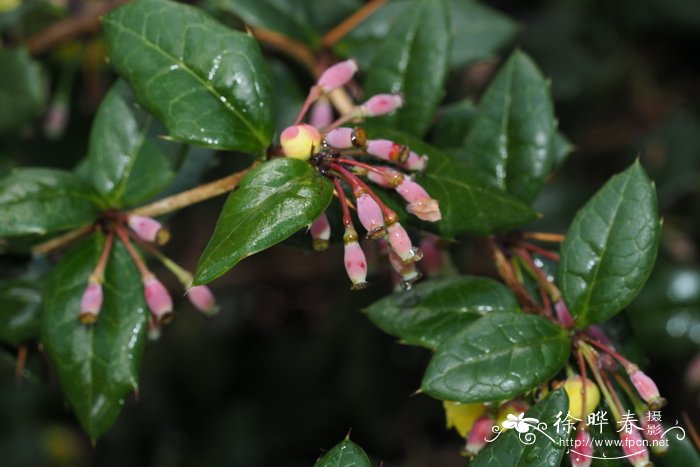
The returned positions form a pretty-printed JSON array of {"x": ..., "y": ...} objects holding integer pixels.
[
  {"x": 300, "y": 141},
  {"x": 514, "y": 407},
  {"x": 574, "y": 389},
  {"x": 461, "y": 417}
]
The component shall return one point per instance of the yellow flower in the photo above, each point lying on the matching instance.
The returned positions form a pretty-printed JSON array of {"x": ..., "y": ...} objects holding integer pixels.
[
  {"x": 574, "y": 389},
  {"x": 461, "y": 417}
]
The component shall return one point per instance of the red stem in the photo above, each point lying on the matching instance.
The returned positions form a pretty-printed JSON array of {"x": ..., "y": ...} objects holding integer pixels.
[
  {"x": 358, "y": 185},
  {"x": 629, "y": 366},
  {"x": 310, "y": 99},
  {"x": 99, "y": 273},
  {"x": 347, "y": 220},
  {"x": 138, "y": 261},
  {"x": 541, "y": 251}
]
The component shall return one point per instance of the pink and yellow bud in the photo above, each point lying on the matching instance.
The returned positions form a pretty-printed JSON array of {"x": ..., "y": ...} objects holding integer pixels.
[
  {"x": 370, "y": 215},
  {"x": 203, "y": 299},
  {"x": 420, "y": 204},
  {"x": 158, "y": 299},
  {"x": 382, "y": 104},
  {"x": 634, "y": 449},
  {"x": 320, "y": 232},
  {"x": 337, "y": 75},
  {"x": 355, "y": 260},
  {"x": 462, "y": 417},
  {"x": 574, "y": 386},
  {"x": 388, "y": 150},
  {"x": 148, "y": 229},
  {"x": 321, "y": 114},
  {"x": 479, "y": 434},
  {"x": 401, "y": 244},
  {"x": 581, "y": 455},
  {"x": 91, "y": 302},
  {"x": 300, "y": 141},
  {"x": 647, "y": 389}
]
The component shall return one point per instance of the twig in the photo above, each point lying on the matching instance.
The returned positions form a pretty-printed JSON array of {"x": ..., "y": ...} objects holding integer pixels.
[
  {"x": 87, "y": 22},
  {"x": 289, "y": 46},
  {"x": 544, "y": 237},
  {"x": 349, "y": 23},
  {"x": 62, "y": 240}
]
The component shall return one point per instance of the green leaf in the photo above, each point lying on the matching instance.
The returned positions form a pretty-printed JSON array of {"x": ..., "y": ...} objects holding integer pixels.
[
  {"x": 20, "y": 307},
  {"x": 97, "y": 365},
  {"x": 541, "y": 448},
  {"x": 498, "y": 357},
  {"x": 128, "y": 164},
  {"x": 508, "y": 144},
  {"x": 208, "y": 84},
  {"x": 273, "y": 201},
  {"x": 453, "y": 124},
  {"x": 344, "y": 454},
  {"x": 610, "y": 248},
  {"x": 21, "y": 89},
  {"x": 467, "y": 203},
  {"x": 282, "y": 16},
  {"x": 412, "y": 60},
  {"x": 435, "y": 310},
  {"x": 39, "y": 201},
  {"x": 478, "y": 32},
  {"x": 560, "y": 147}
]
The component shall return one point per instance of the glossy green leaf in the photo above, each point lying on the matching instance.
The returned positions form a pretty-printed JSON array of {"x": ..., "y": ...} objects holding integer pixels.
[
  {"x": 539, "y": 447},
  {"x": 273, "y": 201},
  {"x": 498, "y": 357},
  {"x": 97, "y": 365},
  {"x": 509, "y": 142},
  {"x": 468, "y": 204},
  {"x": 478, "y": 32},
  {"x": 127, "y": 162},
  {"x": 20, "y": 308},
  {"x": 433, "y": 311},
  {"x": 39, "y": 201},
  {"x": 208, "y": 84},
  {"x": 21, "y": 89},
  {"x": 610, "y": 248},
  {"x": 560, "y": 147},
  {"x": 412, "y": 60},
  {"x": 282, "y": 16},
  {"x": 453, "y": 124},
  {"x": 344, "y": 454}
]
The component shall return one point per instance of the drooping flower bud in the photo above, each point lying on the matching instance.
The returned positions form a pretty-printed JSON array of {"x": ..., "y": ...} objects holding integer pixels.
[
  {"x": 654, "y": 433},
  {"x": 158, "y": 299},
  {"x": 581, "y": 455},
  {"x": 416, "y": 163},
  {"x": 647, "y": 389},
  {"x": 320, "y": 232},
  {"x": 321, "y": 114},
  {"x": 408, "y": 274},
  {"x": 337, "y": 75},
  {"x": 148, "y": 229},
  {"x": 382, "y": 104},
  {"x": 370, "y": 215},
  {"x": 481, "y": 431},
  {"x": 339, "y": 138},
  {"x": 574, "y": 389},
  {"x": 388, "y": 150},
  {"x": 154, "y": 329},
  {"x": 91, "y": 302},
  {"x": 401, "y": 244},
  {"x": 300, "y": 141},
  {"x": 203, "y": 299},
  {"x": 461, "y": 416},
  {"x": 563, "y": 315},
  {"x": 420, "y": 204},
  {"x": 634, "y": 449},
  {"x": 355, "y": 261}
]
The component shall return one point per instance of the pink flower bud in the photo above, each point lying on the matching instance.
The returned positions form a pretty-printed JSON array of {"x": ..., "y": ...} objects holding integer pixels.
[
  {"x": 91, "y": 302},
  {"x": 154, "y": 329},
  {"x": 581, "y": 455},
  {"x": 407, "y": 273},
  {"x": 321, "y": 232},
  {"x": 481, "y": 431},
  {"x": 416, "y": 163},
  {"x": 203, "y": 299},
  {"x": 382, "y": 104},
  {"x": 371, "y": 216},
  {"x": 321, "y": 114},
  {"x": 300, "y": 141},
  {"x": 355, "y": 261},
  {"x": 401, "y": 244},
  {"x": 599, "y": 335},
  {"x": 634, "y": 449},
  {"x": 420, "y": 204},
  {"x": 148, "y": 229},
  {"x": 337, "y": 75},
  {"x": 563, "y": 315},
  {"x": 388, "y": 150},
  {"x": 340, "y": 138},
  {"x": 158, "y": 299},
  {"x": 654, "y": 433},
  {"x": 647, "y": 390}
]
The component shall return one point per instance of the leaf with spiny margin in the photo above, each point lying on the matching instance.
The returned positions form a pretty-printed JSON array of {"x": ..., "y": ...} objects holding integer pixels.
[
  {"x": 509, "y": 142},
  {"x": 496, "y": 358},
  {"x": 97, "y": 365},
  {"x": 467, "y": 203},
  {"x": 40, "y": 201},
  {"x": 548, "y": 446},
  {"x": 22, "y": 91},
  {"x": 208, "y": 84},
  {"x": 272, "y": 202},
  {"x": 20, "y": 307},
  {"x": 433, "y": 311},
  {"x": 610, "y": 248},
  {"x": 127, "y": 162},
  {"x": 412, "y": 60},
  {"x": 344, "y": 454}
]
